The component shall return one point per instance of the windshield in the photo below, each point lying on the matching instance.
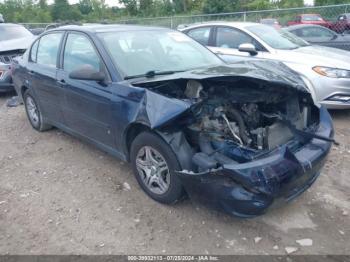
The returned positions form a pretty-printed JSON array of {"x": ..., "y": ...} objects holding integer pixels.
[
  {"x": 139, "y": 52},
  {"x": 277, "y": 38},
  {"x": 9, "y": 32}
]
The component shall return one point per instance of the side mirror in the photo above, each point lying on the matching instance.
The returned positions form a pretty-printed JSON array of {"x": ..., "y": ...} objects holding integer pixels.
[
  {"x": 87, "y": 72},
  {"x": 248, "y": 48}
]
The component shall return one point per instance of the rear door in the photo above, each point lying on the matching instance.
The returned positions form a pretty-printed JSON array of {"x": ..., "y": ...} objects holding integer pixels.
[
  {"x": 43, "y": 72},
  {"x": 87, "y": 105}
]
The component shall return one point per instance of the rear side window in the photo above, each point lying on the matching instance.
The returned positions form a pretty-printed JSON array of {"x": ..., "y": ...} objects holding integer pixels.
[
  {"x": 34, "y": 51},
  {"x": 297, "y": 32},
  {"x": 48, "y": 49},
  {"x": 201, "y": 35},
  {"x": 316, "y": 32},
  {"x": 79, "y": 51}
]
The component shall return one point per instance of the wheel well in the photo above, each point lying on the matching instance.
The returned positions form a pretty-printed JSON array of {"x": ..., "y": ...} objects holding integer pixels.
[
  {"x": 133, "y": 131},
  {"x": 23, "y": 89}
]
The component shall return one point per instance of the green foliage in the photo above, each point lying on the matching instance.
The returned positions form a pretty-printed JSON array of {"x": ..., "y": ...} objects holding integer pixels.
[
  {"x": 62, "y": 11},
  {"x": 219, "y": 6},
  {"x": 331, "y": 2},
  {"x": 259, "y": 5},
  {"x": 38, "y": 11},
  {"x": 85, "y": 7},
  {"x": 130, "y": 6},
  {"x": 290, "y": 4}
]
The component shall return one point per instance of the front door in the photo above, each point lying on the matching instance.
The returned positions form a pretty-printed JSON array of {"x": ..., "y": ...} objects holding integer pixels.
[{"x": 87, "y": 107}]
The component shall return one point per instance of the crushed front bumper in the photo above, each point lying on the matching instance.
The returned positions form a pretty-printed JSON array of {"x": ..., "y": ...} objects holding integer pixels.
[
  {"x": 6, "y": 84},
  {"x": 249, "y": 189}
]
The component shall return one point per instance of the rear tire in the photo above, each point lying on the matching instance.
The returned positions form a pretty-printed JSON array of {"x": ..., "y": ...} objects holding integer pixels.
[
  {"x": 33, "y": 112},
  {"x": 154, "y": 164}
]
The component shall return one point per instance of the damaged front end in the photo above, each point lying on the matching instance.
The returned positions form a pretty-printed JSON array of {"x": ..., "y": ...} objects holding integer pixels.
[
  {"x": 243, "y": 141},
  {"x": 6, "y": 59}
]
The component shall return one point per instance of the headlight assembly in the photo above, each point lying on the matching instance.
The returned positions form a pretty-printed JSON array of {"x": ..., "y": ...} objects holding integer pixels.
[{"x": 332, "y": 72}]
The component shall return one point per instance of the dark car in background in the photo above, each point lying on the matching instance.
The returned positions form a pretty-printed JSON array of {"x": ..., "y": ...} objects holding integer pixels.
[
  {"x": 14, "y": 40},
  {"x": 37, "y": 31},
  {"x": 239, "y": 138},
  {"x": 310, "y": 19},
  {"x": 319, "y": 35},
  {"x": 342, "y": 25}
]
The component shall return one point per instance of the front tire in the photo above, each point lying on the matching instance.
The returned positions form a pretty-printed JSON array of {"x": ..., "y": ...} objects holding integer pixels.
[
  {"x": 154, "y": 164},
  {"x": 33, "y": 112}
]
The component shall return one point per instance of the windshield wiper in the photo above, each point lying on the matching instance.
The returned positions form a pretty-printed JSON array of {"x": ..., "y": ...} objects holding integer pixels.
[{"x": 153, "y": 73}]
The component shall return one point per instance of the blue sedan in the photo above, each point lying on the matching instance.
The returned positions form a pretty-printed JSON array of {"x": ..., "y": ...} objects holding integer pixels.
[{"x": 240, "y": 138}]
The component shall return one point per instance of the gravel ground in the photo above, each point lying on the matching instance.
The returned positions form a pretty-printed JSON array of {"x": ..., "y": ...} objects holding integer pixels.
[{"x": 59, "y": 195}]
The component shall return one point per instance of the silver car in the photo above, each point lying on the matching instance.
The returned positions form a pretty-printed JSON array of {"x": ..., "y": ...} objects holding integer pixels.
[
  {"x": 14, "y": 40},
  {"x": 325, "y": 70}
]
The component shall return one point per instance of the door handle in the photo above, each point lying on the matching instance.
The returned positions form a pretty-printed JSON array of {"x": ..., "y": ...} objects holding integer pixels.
[
  {"x": 31, "y": 72},
  {"x": 62, "y": 82}
]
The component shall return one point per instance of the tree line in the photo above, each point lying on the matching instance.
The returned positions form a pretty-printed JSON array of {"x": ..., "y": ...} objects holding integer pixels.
[{"x": 39, "y": 11}]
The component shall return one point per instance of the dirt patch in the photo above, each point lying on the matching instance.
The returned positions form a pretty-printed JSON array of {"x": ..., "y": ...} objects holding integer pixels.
[{"x": 59, "y": 195}]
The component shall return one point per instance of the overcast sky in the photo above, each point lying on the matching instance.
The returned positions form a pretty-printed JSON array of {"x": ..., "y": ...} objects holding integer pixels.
[{"x": 309, "y": 2}]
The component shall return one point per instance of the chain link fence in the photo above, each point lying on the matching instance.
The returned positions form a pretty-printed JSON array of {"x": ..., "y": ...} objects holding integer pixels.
[{"x": 330, "y": 13}]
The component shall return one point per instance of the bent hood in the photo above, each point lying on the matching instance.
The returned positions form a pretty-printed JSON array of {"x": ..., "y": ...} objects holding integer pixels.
[
  {"x": 16, "y": 44},
  {"x": 269, "y": 72},
  {"x": 316, "y": 56}
]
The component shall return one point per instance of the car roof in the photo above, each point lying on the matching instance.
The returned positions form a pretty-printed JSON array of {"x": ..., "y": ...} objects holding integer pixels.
[
  {"x": 239, "y": 25},
  {"x": 99, "y": 28},
  {"x": 309, "y": 14},
  {"x": 9, "y": 24}
]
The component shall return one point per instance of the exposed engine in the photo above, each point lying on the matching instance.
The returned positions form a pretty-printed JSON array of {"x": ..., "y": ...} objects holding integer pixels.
[
  {"x": 246, "y": 124},
  {"x": 235, "y": 124}
]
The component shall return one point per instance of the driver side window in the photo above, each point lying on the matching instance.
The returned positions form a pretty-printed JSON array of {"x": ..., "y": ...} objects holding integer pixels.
[
  {"x": 79, "y": 51},
  {"x": 232, "y": 38}
]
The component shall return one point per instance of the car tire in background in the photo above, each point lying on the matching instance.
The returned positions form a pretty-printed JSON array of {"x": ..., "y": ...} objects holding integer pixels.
[
  {"x": 33, "y": 112},
  {"x": 154, "y": 164}
]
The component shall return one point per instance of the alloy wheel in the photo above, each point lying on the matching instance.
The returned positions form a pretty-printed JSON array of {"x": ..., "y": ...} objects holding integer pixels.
[
  {"x": 153, "y": 170},
  {"x": 33, "y": 112}
]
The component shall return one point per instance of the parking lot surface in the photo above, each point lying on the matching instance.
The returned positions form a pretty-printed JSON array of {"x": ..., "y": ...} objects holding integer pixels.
[{"x": 59, "y": 195}]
